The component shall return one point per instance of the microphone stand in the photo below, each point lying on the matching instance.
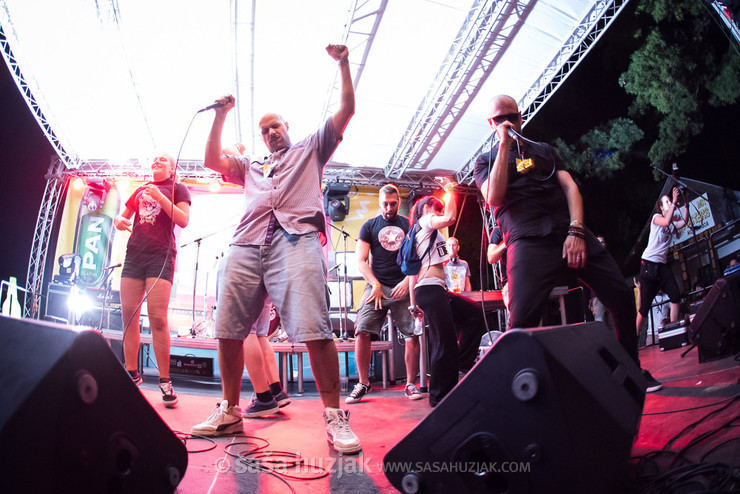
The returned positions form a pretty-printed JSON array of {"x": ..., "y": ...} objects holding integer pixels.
[
  {"x": 343, "y": 307},
  {"x": 197, "y": 242},
  {"x": 107, "y": 282}
]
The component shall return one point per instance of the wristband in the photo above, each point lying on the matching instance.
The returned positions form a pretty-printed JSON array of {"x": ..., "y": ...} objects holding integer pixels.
[
  {"x": 576, "y": 224},
  {"x": 450, "y": 186},
  {"x": 376, "y": 285}
]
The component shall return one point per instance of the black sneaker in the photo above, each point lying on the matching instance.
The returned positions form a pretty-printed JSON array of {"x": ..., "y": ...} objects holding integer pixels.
[
  {"x": 652, "y": 383},
  {"x": 356, "y": 395},
  {"x": 282, "y": 399},
  {"x": 260, "y": 409},
  {"x": 169, "y": 398}
]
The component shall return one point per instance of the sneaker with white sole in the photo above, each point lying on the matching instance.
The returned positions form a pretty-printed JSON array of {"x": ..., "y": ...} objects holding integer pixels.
[
  {"x": 338, "y": 433},
  {"x": 223, "y": 420},
  {"x": 169, "y": 398},
  {"x": 653, "y": 384},
  {"x": 260, "y": 408},
  {"x": 357, "y": 393},
  {"x": 412, "y": 392},
  {"x": 136, "y": 378},
  {"x": 282, "y": 398}
]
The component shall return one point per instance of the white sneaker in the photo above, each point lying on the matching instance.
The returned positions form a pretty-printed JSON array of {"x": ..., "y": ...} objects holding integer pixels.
[
  {"x": 224, "y": 420},
  {"x": 338, "y": 432},
  {"x": 412, "y": 392}
]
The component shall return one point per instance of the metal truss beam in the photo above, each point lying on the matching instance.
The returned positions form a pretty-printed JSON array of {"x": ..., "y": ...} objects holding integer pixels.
[
  {"x": 578, "y": 44},
  {"x": 484, "y": 37},
  {"x": 70, "y": 160},
  {"x": 727, "y": 19},
  {"x": 53, "y": 194},
  {"x": 360, "y": 30},
  {"x": 194, "y": 169}
]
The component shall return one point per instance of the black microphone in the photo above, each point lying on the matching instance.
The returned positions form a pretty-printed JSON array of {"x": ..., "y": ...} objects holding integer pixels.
[
  {"x": 211, "y": 107},
  {"x": 677, "y": 178},
  {"x": 114, "y": 266}
]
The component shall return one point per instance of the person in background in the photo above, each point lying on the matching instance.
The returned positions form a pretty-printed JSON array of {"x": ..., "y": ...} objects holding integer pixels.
[
  {"x": 597, "y": 307},
  {"x": 655, "y": 273},
  {"x": 387, "y": 290},
  {"x": 149, "y": 267},
  {"x": 447, "y": 314},
  {"x": 457, "y": 271},
  {"x": 497, "y": 252},
  {"x": 259, "y": 359}
]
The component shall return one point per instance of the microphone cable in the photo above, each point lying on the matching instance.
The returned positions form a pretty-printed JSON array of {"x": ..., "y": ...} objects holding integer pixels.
[{"x": 171, "y": 219}]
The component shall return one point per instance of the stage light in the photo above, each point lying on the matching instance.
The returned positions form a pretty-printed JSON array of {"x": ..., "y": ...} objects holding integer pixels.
[
  {"x": 78, "y": 302},
  {"x": 214, "y": 185},
  {"x": 123, "y": 183},
  {"x": 78, "y": 183},
  {"x": 336, "y": 201}
]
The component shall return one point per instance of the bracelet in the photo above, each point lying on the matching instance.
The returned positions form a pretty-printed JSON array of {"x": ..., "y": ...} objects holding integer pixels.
[
  {"x": 450, "y": 186},
  {"x": 577, "y": 234},
  {"x": 376, "y": 285},
  {"x": 577, "y": 224}
]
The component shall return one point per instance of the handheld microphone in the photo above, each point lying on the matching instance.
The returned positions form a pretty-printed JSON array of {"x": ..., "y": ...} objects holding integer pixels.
[
  {"x": 210, "y": 107},
  {"x": 335, "y": 267},
  {"x": 677, "y": 178},
  {"x": 512, "y": 133}
]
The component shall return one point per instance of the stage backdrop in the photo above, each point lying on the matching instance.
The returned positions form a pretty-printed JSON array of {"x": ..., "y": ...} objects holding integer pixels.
[{"x": 87, "y": 229}]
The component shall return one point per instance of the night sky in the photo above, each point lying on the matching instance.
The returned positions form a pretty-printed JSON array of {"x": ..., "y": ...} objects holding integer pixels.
[{"x": 590, "y": 96}]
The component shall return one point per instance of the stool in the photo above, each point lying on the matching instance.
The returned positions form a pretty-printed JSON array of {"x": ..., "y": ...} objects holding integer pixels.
[{"x": 559, "y": 292}]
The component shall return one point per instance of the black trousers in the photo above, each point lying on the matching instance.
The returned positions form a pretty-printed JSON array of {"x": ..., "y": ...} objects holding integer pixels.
[
  {"x": 534, "y": 267},
  {"x": 448, "y": 316}
]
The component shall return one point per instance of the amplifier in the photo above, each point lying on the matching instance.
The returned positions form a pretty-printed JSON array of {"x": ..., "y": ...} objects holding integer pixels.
[
  {"x": 190, "y": 365},
  {"x": 673, "y": 335}
]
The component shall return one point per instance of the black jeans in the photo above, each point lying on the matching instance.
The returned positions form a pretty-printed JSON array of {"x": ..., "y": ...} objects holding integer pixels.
[
  {"x": 448, "y": 315},
  {"x": 534, "y": 266}
]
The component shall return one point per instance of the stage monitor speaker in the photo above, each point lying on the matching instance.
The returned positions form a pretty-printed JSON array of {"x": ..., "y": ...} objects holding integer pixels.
[
  {"x": 715, "y": 327},
  {"x": 545, "y": 410},
  {"x": 73, "y": 421}
]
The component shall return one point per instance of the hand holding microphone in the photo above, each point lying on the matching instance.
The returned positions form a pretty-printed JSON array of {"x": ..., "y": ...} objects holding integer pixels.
[{"x": 227, "y": 102}]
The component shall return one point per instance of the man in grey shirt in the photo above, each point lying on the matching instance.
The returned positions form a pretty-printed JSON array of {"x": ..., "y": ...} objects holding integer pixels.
[{"x": 277, "y": 251}]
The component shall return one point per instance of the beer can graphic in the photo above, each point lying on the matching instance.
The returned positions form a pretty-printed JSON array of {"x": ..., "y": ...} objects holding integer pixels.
[{"x": 94, "y": 232}]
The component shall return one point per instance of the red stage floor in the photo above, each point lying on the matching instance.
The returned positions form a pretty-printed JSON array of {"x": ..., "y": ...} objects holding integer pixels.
[{"x": 697, "y": 399}]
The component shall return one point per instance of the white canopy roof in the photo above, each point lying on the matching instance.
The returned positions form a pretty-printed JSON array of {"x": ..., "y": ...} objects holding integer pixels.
[{"x": 121, "y": 79}]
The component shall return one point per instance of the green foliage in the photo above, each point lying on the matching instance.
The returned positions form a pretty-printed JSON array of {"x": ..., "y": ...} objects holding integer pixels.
[
  {"x": 602, "y": 151},
  {"x": 676, "y": 72}
]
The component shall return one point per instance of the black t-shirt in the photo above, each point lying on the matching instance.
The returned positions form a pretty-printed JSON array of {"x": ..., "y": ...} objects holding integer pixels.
[
  {"x": 385, "y": 239},
  {"x": 496, "y": 238},
  {"x": 535, "y": 204},
  {"x": 152, "y": 229}
]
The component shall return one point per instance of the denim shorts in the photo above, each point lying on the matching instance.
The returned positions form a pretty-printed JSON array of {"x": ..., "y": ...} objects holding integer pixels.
[
  {"x": 370, "y": 320},
  {"x": 144, "y": 265},
  {"x": 291, "y": 271}
]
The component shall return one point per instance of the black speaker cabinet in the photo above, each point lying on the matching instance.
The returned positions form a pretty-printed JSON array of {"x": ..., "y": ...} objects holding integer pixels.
[
  {"x": 546, "y": 410},
  {"x": 714, "y": 328},
  {"x": 71, "y": 419}
]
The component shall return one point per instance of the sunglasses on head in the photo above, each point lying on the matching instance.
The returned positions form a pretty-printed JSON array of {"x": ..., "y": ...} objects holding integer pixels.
[{"x": 499, "y": 119}]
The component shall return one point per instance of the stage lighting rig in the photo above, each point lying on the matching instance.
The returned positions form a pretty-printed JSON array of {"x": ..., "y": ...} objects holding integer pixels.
[{"x": 336, "y": 201}]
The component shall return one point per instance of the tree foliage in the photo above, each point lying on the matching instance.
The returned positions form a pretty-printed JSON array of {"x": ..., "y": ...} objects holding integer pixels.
[
  {"x": 602, "y": 151},
  {"x": 677, "y": 71}
]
